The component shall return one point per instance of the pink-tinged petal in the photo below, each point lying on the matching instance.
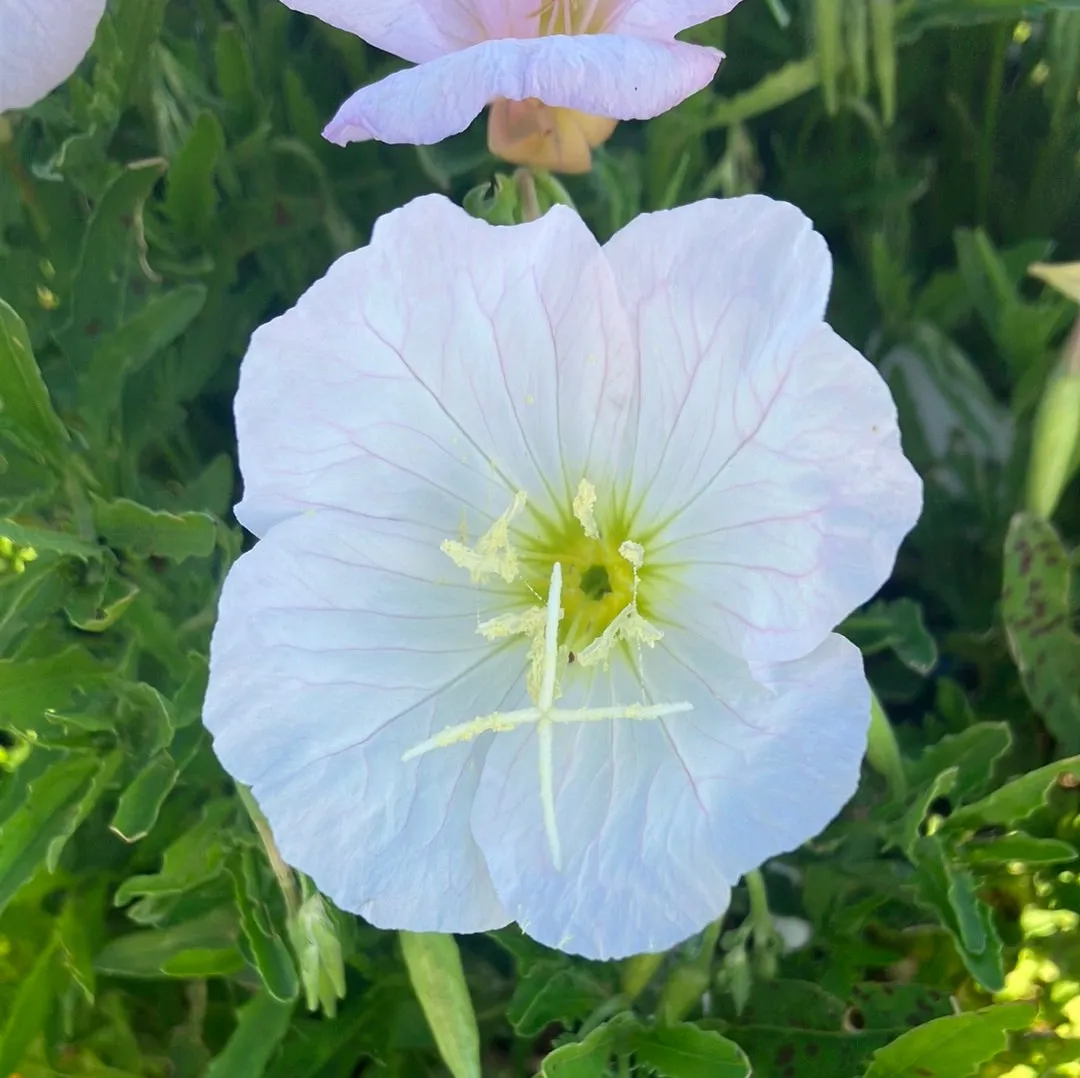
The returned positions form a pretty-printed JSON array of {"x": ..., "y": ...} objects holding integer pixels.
[
  {"x": 432, "y": 375},
  {"x": 666, "y": 18},
  {"x": 416, "y": 30},
  {"x": 341, "y": 643},
  {"x": 619, "y": 77},
  {"x": 41, "y": 44},
  {"x": 659, "y": 819},
  {"x": 766, "y": 445}
]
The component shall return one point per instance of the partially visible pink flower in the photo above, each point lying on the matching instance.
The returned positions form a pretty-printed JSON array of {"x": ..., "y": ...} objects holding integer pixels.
[
  {"x": 558, "y": 73},
  {"x": 41, "y": 44}
]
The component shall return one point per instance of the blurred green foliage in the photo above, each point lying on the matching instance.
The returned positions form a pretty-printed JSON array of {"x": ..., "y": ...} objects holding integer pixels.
[{"x": 174, "y": 195}]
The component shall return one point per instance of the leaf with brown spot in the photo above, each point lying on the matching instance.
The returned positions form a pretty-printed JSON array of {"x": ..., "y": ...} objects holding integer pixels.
[{"x": 1035, "y": 610}]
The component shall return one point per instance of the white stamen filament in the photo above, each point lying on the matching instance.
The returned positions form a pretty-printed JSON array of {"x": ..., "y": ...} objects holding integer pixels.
[{"x": 546, "y": 716}]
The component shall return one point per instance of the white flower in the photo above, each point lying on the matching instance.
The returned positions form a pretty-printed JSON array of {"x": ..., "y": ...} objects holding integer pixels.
[
  {"x": 553, "y": 539},
  {"x": 41, "y": 44}
]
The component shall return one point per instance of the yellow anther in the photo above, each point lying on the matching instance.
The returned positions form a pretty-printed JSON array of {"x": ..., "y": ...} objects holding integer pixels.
[
  {"x": 634, "y": 553},
  {"x": 584, "y": 506},
  {"x": 493, "y": 554},
  {"x": 627, "y": 625},
  {"x": 531, "y": 623}
]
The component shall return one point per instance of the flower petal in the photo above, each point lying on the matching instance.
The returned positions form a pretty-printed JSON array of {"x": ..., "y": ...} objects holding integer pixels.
[
  {"x": 341, "y": 643},
  {"x": 41, "y": 44},
  {"x": 416, "y": 30},
  {"x": 658, "y": 819},
  {"x": 620, "y": 77},
  {"x": 665, "y": 18},
  {"x": 766, "y": 443},
  {"x": 434, "y": 374}
]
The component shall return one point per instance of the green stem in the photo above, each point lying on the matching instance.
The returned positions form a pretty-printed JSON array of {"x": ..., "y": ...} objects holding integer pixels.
[
  {"x": 883, "y": 752},
  {"x": 284, "y": 874},
  {"x": 624, "y": 1065}
]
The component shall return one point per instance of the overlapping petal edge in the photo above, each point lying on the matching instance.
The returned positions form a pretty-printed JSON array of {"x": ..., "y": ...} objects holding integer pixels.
[
  {"x": 392, "y": 402},
  {"x": 612, "y": 75}
]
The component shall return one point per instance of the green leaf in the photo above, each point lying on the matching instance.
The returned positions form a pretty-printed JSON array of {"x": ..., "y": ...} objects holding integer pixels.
[
  {"x": 149, "y": 953},
  {"x": 154, "y": 533},
  {"x": 128, "y": 348},
  {"x": 907, "y": 833},
  {"x": 897, "y": 626},
  {"x": 30, "y": 687},
  {"x": 269, "y": 951},
  {"x": 552, "y": 992},
  {"x": 953, "y": 1047},
  {"x": 261, "y": 1026},
  {"x": 883, "y": 38},
  {"x": 972, "y": 754},
  {"x": 1012, "y": 803},
  {"x": 195, "y": 857},
  {"x": 829, "y": 45},
  {"x": 587, "y": 1058},
  {"x": 54, "y": 542},
  {"x": 110, "y": 259},
  {"x": 27, "y": 835},
  {"x": 190, "y": 196},
  {"x": 434, "y": 965},
  {"x": 684, "y": 1051},
  {"x": 1035, "y": 609},
  {"x": 139, "y": 805},
  {"x": 24, "y": 400},
  {"x": 950, "y": 891},
  {"x": 1017, "y": 847},
  {"x": 31, "y": 1008}
]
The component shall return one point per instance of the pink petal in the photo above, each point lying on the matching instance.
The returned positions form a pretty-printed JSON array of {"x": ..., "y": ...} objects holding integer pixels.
[
  {"x": 665, "y": 18},
  {"x": 619, "y": 77}
]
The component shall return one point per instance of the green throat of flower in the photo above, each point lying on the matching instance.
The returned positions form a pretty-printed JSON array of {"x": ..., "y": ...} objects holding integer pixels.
[{"x": 592, "y": 579}]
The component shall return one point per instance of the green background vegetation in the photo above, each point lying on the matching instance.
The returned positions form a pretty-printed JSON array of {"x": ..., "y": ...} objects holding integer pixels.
[{"x": 175, "y": 195}]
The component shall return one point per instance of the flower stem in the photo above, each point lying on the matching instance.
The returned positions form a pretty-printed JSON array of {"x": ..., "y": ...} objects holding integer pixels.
[
  {"x": 760, "y": 918},
  {"x": 525, "y": 182},
  {"x": 284, "y": 874}
]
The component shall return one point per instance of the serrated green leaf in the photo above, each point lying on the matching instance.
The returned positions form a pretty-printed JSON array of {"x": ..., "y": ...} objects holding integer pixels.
[
  {"x": 261, "y": 1026},
  {"x": 685, "y": 1051},
  {"x": 952, "y": 1047},
  {"x": 434, "y": 965},
  {"x": 1012, "y": 803},
  {"x": 551, "y": 992},
  {"x": 155, "y": 533},
  {"x": 951, "y": 892},
  {"x": 1038, "y": 626},
  {"x": 138, "y": 807},
  {"x": 972, "y": 753},
  {"x": 24, "y": 401}
]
